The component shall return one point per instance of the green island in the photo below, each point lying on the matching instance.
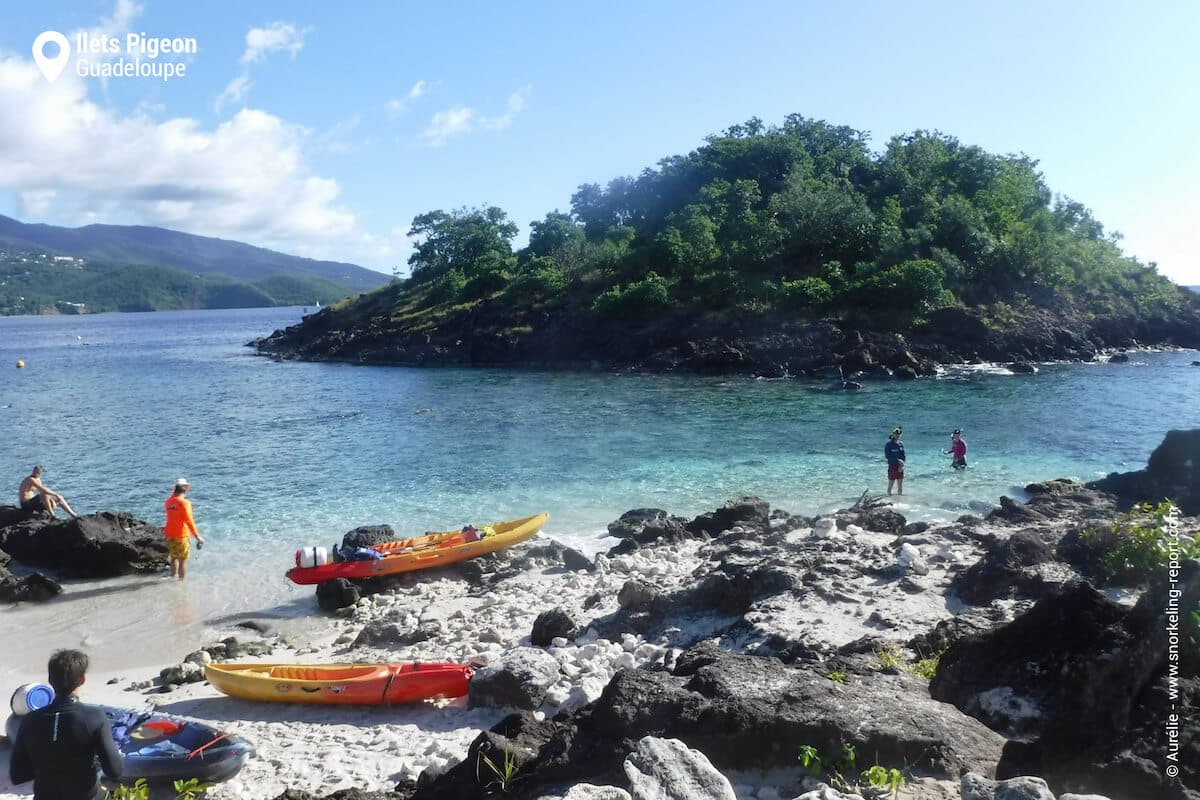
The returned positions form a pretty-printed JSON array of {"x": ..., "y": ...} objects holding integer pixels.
[{"x": 772, "y": 249}]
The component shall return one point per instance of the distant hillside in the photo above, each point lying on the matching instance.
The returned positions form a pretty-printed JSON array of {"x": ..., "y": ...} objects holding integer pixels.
[
  {"x": 1195, "y": 289},
  {"x": 107, "y": 246},
  {"x": 39, "y": 283}
]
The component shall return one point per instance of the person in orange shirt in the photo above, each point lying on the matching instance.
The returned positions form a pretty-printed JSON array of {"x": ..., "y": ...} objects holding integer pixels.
[{"x": 179, "y": 524}]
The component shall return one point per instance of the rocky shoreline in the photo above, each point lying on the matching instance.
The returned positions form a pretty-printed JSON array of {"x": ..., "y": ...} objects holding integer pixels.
[
  {"x": 986, "y": 659},
  {"x": 768, "y": 346}
]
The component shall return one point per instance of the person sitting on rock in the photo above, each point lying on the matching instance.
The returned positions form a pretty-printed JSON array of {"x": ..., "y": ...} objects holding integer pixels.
[{"x": 35, "y": 495}]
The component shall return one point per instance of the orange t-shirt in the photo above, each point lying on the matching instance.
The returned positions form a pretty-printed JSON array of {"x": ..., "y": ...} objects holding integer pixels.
[{"x": 179, "y": 518}]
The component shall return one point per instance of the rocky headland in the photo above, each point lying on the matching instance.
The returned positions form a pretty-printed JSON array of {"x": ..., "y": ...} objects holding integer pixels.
[{"x": 772, "y": 346}]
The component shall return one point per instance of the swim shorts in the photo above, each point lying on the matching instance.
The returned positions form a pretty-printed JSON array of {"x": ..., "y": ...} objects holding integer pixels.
[
  {"x": 959, "y": 463},
  {"x": 177, "y": 547},
  {"x": 895, "y": 471},
  {"x": 35, "y": 503}
]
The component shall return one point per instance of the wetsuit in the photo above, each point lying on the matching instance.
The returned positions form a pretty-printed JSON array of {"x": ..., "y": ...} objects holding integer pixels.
[{"x": 61, "y": 748}]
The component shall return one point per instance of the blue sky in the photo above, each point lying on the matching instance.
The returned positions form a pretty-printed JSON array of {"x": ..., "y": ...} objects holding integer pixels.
[{"x": 323, "y": 128}]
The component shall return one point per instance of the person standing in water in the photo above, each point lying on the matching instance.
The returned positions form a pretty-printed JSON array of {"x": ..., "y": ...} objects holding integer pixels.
[
  {"x": 893, "y": 451},
  {"x": 958, "y": 449},
  {"x": 180, "y": 524}
]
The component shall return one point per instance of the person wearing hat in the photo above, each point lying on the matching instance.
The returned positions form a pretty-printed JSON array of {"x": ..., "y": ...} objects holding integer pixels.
[
  {"x": 958, "y": 449},
  {"x": 63, "y": 746},
  {"x": 180, "y": 524},
  {"x": 893, "y": 451}
]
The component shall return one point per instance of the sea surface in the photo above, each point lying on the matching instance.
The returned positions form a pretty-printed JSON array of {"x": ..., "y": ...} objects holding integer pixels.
[{"x": 283, "y": 455}]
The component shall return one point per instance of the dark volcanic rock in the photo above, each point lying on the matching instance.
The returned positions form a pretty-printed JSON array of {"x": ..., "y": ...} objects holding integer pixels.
[
  {"x": 520, "y": 680},
  {"x": 884, "y": 520},
  {"x": 747, "y": 512},
  {"x": 383, "y": 633},
  {"x": 1002, "y": 571},
  {"x": 35, "y": 588},
  {"x": 1072, "y": 679},
  {"x": 520, "y": 735},
  {"x": 369, "y": 535},
  {"x": 336, "y": 593},
  {"x": 1016, "y": 513},
  {"x": 550, "y": 625},
  {"x": 99, "y": 545},
  {"x": 747, "y": 712},
  {"x": 1173, "y": 472}
]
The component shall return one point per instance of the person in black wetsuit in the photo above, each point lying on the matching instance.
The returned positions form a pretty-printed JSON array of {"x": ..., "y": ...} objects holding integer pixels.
[{"x": 62, "y": 747}]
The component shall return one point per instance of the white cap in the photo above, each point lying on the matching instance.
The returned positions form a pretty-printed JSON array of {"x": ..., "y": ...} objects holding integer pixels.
[{"x": 182, "y": 482}]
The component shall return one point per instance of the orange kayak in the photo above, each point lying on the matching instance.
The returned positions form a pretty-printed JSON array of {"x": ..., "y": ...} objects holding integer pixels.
[
  {"x": 341, "y": 684},
  {"x": 423, "y": 552}
]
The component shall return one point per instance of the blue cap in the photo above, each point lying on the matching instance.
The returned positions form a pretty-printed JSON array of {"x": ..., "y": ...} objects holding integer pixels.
[{"x": 30, "y": 697}]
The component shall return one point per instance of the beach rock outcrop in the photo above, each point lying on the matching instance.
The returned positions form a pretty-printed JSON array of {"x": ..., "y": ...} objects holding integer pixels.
[
  {"x": 749, "y": 513},
  {"x": 519, "y": 680},
  {"x": 645, "y": 526},
  {"x": 1172, "y": 473},
  {"x": 35, "y": 588},
  {"x": 1077, "y": 683},
  {"x": 337, "y": 593},
  {"x": 551, "y": 625},
  {"x": 977, "y": 787},
  {"x": 667, "y": 769},
  {"x": 101, "y": 545},
  {"x": 1004, "y": 570}
]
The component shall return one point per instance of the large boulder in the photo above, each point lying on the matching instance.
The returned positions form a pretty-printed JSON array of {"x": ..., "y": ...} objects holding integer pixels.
[
  {"x": 551, "y": 625},
  {"x": 101, "y": 545},
  {"x": 35, "y": 588},
  {"x": 1004, "y": 569},
  {"x": 1173, "y": 472},
  {"x": 1074, "y": 680},
  {"x": 337, "y": 593},
  {"x": 648, "y": 525},
  {"x": 747, "y": 512},
  {"x": 519, "y": 680}
]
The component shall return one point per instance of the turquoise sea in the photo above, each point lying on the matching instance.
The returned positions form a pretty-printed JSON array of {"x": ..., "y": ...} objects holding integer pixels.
[{"x": 282, "y": 455}]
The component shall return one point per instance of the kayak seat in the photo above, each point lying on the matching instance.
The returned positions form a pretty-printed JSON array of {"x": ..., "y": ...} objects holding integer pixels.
[{"x": 299, "y": 674}]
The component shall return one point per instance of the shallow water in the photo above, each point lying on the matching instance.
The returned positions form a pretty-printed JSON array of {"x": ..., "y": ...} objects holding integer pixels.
[{"x": 283, "y": 455}]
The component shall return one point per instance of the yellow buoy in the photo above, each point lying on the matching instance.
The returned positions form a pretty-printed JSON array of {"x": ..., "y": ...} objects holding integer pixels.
[{"x": 20, "y": 364}]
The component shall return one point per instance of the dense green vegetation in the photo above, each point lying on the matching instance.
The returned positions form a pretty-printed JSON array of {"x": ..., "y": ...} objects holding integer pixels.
[
  {"x": 802, "y": 219},
  {"x": 32, "y": 283}
]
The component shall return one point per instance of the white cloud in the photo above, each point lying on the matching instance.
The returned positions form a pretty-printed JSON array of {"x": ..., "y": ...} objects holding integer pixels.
[
  {"x": 397, "y": 105},
  {"x": 261, "y": 42},
  {"x": 517, "y": 102},
  {"x": 234, "y": 92},
  {"x": 72, "y": 160},
  {"x": 462, "y": 119},
  {"x": 446, "y": 124}
]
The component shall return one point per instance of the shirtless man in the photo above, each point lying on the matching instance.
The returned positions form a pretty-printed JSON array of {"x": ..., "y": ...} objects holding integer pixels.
[{"x": 35, "y": 495}]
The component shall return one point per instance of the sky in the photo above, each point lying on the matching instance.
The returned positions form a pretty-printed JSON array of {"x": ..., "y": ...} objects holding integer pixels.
[{"x": 322, "y": 129}]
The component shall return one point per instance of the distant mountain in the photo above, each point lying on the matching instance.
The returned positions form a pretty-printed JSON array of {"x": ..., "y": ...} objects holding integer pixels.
[
  {"x": 1195, "y": 289},
  {"x": 113, "y": 246}
]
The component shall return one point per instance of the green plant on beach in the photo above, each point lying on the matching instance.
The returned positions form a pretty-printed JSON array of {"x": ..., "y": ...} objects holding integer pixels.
[
  {"x": 883, "y": 778},
  {"x": 875, "y": 777},
  {"x": 1139, "y": 544},
  {"x": 837, "y": 677},
  {"x": 927, "y": 667},
  {"x": 138, "y": 791},
  {"x": 504, "y": 774},
  {"x": 190, "y": 789},
  {"x": 889, "y": 657}
]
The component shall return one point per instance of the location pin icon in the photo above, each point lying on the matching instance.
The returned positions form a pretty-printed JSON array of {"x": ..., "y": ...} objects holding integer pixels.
[{"x": 51, "y": 67}]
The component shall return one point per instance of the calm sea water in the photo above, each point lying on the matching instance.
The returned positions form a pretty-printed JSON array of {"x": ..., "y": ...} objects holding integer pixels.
[{"x": 282, "y": 455}]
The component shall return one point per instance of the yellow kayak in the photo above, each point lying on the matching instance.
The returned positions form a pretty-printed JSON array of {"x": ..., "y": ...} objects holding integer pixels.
[
  {"x": 341, "y": 684},
  {"x": 423, "y": 552}
]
